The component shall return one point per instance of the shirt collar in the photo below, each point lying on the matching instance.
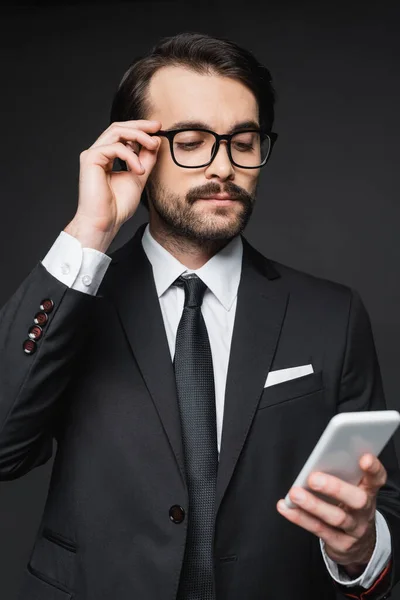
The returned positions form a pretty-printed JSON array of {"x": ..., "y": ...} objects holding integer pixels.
[{"x": 221, "y": 273}]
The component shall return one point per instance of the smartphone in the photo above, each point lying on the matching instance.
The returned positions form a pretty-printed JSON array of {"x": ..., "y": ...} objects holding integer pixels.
[{"x": 346, "y": 438}]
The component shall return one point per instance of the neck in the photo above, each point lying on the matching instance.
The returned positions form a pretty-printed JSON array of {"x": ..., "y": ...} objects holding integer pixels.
[{"x": 191, "y": 253}]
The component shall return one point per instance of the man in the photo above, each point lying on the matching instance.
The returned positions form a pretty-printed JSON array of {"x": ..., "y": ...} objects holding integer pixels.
[{"x": 150, "y": 366}]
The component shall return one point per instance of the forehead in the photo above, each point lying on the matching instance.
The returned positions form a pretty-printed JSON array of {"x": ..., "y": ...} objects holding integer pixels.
[{"x": 180, "y": 94}]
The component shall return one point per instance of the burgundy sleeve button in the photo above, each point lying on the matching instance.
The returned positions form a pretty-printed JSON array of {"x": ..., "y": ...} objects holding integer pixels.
[
  {"x": 41, "y": 319},
  {"x": 35, "y": 332},
  {"x": 29, "y": 346},
  {"x": 47, "y": 305}
]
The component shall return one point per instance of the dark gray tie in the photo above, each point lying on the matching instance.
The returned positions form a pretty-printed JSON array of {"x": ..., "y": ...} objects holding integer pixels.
[{"x": 196, "y": 395}]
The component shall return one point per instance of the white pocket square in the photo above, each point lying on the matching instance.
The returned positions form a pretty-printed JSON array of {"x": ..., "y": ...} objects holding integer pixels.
[{"x": 282, "y": 375}]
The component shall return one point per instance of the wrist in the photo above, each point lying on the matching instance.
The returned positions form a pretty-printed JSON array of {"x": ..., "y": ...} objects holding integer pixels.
[
  {"x": 354, "y": 570},
  {"x": 89, "y": 236}
]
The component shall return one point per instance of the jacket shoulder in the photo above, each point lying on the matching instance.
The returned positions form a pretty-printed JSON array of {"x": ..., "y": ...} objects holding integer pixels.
[
  {"x": 300, "y": 282},
  {"x": 309, "y": 280}
]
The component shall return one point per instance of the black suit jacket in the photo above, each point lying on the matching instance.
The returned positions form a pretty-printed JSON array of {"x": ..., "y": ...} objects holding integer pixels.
[{"x": 101, "y": 383}]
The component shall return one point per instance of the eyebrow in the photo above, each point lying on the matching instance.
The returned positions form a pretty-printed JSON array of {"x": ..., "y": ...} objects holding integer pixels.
[{"x": 202, "y": 125}]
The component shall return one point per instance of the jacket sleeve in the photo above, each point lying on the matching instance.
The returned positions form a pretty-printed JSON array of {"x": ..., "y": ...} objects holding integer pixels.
[
  {"x": 34, "y": 373},
  {"x": 361, "y": 389}
]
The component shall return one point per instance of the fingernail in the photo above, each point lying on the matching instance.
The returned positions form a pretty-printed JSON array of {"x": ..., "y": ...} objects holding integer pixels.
[
  {"x": 318, "y": 481},
  {"x": 297, "y": 495},
  {"x": 282, "y": 506},
  {"x": 367, "y": 462}
]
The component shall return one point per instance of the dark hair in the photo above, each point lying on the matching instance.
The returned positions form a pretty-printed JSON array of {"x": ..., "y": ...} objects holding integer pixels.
[{"x": 203, "y": 54}]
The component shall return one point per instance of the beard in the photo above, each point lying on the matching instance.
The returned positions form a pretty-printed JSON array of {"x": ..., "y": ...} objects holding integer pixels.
[{"x": 182, "y": 219}]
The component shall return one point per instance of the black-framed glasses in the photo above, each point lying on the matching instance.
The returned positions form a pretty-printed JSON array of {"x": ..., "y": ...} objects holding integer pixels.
[{"x": 194, "y": 148}]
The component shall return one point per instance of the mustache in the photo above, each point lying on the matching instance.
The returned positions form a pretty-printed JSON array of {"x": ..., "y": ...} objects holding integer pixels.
[{"x": 235, "y": 192}]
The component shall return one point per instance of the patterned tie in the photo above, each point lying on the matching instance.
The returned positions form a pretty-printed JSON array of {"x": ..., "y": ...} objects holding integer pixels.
[{"x": 196, "y": 395}]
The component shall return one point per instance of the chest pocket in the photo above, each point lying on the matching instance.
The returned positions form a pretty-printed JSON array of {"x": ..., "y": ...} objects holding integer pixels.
[{"x": 291, "y": 389}]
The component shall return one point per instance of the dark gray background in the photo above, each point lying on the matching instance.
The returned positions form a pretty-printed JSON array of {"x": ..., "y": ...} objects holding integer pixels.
[{"x": 329, "y": 198}]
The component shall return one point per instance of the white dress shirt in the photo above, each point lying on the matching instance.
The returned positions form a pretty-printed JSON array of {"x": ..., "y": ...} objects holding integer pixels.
[{"x": 83, "y": 269}]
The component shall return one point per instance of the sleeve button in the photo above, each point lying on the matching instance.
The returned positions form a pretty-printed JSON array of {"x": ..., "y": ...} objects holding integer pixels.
[
  {"x": 35, "y": 332},
  {"x": 47, "y": 305},
  {"x": 41, "y": 319},
  {"x": 29, "y": 346}
]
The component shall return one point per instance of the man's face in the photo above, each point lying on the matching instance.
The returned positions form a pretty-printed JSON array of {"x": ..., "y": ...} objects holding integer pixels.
[{"x": 180, "y": 197}]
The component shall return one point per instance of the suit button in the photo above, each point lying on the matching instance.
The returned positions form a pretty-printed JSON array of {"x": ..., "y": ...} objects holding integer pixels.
[
  {"x": 41, "y": 319},
  {"x": 35, "y": 332},
  {"x": 29, "y": 346},
  {"x": 176, "y": 514},
  {"x": 47, "y": 305}
]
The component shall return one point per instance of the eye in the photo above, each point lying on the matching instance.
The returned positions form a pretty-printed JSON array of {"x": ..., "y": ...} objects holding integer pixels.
[
  {"x": 190, "y": 140},
  {"x": 243, "y": 147},
  {"x": 245, "y": 142},
  {"x": 188, "y": 145}
]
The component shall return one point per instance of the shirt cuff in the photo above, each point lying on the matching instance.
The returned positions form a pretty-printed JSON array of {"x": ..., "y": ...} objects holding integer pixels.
[
  {"x": 379, "y": 559},
  {"x": 79, "y": 268}
]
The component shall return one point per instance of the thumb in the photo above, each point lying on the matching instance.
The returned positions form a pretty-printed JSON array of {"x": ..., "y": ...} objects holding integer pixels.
[{"x": 148, "y": 158}]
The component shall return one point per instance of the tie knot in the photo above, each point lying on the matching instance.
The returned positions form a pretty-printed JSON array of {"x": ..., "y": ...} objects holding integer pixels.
[{"x": 194, "y": 289}]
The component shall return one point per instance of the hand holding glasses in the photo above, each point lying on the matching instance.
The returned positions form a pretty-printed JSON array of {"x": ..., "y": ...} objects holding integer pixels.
[{"x": 107, "y": 198}]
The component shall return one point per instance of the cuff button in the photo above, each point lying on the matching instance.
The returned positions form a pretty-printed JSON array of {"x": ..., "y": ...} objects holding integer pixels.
[
  {"x": 35, "y": 332},
  {"x": 65, "y": 268},
  {"x": 41, "y": 319},
  {"x": 86, "y": 280},
  {"x": 47, "y": 305},
  {"x": 29, "y": 346}
]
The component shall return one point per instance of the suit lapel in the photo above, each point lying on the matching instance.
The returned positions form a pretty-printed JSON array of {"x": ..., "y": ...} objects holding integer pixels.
[
  {"x": 259, "y": 316},
  {"x": 131, "y": 285},
  {"x": 260, "y": 311}
]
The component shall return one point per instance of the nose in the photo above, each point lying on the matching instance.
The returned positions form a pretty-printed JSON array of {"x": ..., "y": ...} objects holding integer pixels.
[{"x": 221, "y": 167}]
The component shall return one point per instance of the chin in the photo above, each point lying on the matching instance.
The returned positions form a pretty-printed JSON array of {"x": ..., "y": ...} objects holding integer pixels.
[
  {"x": 219, "y": 228},
  {"x": 230, "y": 211}
]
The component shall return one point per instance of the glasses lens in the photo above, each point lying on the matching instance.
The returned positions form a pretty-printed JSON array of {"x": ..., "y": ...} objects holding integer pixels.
[
  {"x": 193, "y": 148},
  {"x": 250, "y": 148}
]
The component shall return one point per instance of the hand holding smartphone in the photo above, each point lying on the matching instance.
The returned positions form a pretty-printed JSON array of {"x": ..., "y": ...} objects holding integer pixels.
[{"x": 346, "y": 438}]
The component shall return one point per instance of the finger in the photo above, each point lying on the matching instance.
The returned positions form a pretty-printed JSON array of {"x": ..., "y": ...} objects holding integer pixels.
[
  {"x": 351, "y": 495},
  {"x": 145, "y": 124},
  {"x": 124, "y": 134},
  {"x": 375, "y": 475},
  {"x": 135, "y": 146},
  {"x": 142, "y": 150},
  {"x": 104, "y": 156},
  {"x": 335, "y": 538},
  {"x": 142, "y": 124},
  {"x": 148, "y": 157},
  {"x": 328, "y": 513},
  {"x": 143, "y": 138}
]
